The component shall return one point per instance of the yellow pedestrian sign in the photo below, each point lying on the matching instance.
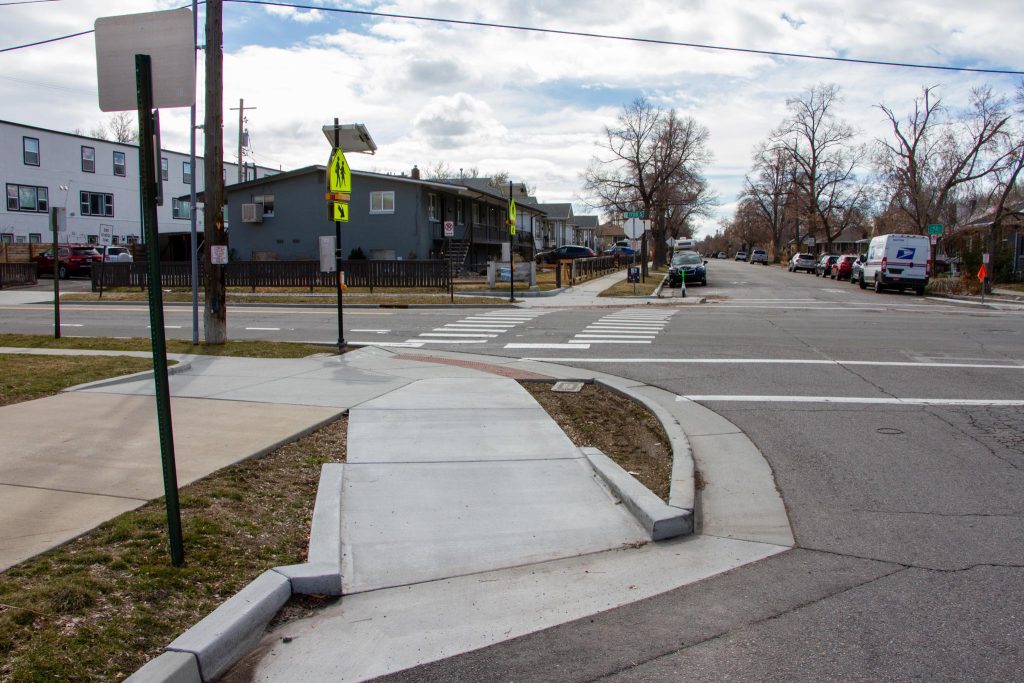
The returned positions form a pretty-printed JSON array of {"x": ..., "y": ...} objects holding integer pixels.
[
  {"x": 512, "y": 216},
  {"x": 339, "y": 175},
  {"x": 339, "y": 212}
]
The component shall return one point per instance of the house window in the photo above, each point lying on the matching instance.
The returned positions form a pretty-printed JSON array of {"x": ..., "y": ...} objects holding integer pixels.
[
  {"x": 382, "y": 202},
  {"x": 96, "y": 203},
  {"x": 492, "y": 216},
  {"x": 7, "y": 238},
  {"x": 267, "y": 200},
  {"x": 27, "y": 198},
  {"x": 88, "y": 159},
  {"x": 35, "y": 238},
  {"x": 30, "y": 151},
  {"x": 163, "y": 168},
  {"x": 433, "y": 206},
  {"x": 476, "y": 214},
  {"x": 186, "y": 172},
  {"x": 120, "y": 167},
  {"x": 181, "y": 209},
  {"x": 460, "y": 216}
]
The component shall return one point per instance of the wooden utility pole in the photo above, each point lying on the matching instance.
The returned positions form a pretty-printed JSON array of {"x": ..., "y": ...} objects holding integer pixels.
[
  {"x": 215, "y": 323},
  {"x": 242, "y": 175}
]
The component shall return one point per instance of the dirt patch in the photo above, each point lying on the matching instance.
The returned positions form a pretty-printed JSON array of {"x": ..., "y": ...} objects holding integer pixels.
[{"x": 623, "y": 429}]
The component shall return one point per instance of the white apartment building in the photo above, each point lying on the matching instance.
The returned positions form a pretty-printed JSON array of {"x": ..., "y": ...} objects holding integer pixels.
[{"x": 96, "y": 181}]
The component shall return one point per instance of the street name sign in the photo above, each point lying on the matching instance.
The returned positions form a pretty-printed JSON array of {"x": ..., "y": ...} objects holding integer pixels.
[{"x": 634, "y": 214}]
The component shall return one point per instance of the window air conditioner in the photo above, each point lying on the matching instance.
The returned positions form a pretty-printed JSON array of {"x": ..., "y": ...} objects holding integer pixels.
[{"x": 252, "y": 213}]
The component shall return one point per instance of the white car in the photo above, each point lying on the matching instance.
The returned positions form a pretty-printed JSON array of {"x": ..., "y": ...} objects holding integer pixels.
[
  {"x": 115, "y": 254},
  {"x": 898, "y": 262}
]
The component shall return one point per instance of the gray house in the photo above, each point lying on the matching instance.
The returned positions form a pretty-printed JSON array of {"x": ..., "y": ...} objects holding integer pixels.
[
  {"x": 560, "y": 225},
  {"x": 390, "y": 217}
]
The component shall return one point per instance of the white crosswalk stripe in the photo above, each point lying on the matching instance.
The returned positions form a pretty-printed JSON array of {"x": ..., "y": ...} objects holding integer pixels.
[{"x": 625, "y": 327}]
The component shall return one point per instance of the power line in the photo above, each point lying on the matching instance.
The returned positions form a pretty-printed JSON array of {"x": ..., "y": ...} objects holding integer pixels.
[
  {"x": 25, "y": 2},
  {"x": 44, "y": 42},
  {"x": 606, "y": 36}
]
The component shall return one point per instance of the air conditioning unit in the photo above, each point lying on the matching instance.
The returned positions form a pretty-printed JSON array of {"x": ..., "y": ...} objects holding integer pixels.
[{"x": 252, "y": 213}]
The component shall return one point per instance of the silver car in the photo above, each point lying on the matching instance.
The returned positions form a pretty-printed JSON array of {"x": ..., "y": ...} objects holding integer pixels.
[
  {"x": 759, "y": 256},
  {"x": 805, "y": 262}
]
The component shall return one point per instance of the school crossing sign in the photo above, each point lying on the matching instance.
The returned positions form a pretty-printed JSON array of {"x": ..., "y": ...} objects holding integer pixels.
[{"x": 511, "y": 216}]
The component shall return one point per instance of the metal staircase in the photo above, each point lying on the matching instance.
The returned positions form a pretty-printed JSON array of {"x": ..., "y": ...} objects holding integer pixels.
[{"x": 456, "y": 252}]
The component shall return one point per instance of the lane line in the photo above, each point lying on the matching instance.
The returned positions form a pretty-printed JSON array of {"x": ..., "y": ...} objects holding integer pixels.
[
  {"x": 855, "y": 400},
  {"x": 546, "y": 346},
  {"x": 266, "y": 329},
  {"x": 476, "y": 335},
  {"x": 787, "y": 361},
  {"x": 446, "y": 341},
  {"x": 604, "y": 341}
]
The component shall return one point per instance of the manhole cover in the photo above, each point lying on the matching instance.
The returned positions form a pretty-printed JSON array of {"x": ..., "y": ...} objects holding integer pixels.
[{"x": 568, "y": 387}]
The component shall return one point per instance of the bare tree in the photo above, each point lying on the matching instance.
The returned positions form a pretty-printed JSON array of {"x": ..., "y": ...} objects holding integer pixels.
[
  {"x": 822, "y": 149},
  {"x": 934, "y": 154},
  {"x": 769, "y": 188},
  {"x": 123, "y": 128},
  {"x": 440, "y": 171},
  {"x": 648, "y": 151}
]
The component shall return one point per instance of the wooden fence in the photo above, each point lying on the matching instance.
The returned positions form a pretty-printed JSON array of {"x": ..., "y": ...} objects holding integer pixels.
[
  {"x": 17, "y": 274},
  {"x": 253, "y": 274}
]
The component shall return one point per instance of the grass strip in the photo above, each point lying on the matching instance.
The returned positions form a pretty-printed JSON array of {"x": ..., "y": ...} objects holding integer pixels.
[
  {"x": 25, "y": 377},
  {"x": 248, "y": 349}
]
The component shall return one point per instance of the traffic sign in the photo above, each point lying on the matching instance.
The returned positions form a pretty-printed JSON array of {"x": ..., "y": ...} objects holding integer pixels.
[
  {"x": 511, "y": 216},
  {"x": 634, "y": 228},
  {"x": 339, "y": 212},
  {"x": 982, "y": 273},
  {"x": 339, "y": 175},
  {"x": 449, "y": 229},
  {"x": 106, "y": 235},
  {"x": 634, "y": 214},
  {"x": 935, "y": 229}
]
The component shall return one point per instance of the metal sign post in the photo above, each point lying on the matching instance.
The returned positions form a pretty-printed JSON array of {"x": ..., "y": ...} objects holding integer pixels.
[{"x": 55, "y": 216}]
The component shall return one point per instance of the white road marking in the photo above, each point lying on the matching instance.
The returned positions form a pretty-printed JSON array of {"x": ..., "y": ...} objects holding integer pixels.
[
  {"x": 604, "y": 341},
  {"x": 458, "y": 334},
  {"x": 374, "y": 331},
  {"x": 400, "y": 345},
  {"x": 446, "y": 341},
  {"x": 264, "y": 329},
  {"x": 166, "y": 327},
  {"x": 617, "y": 335},
  {"x": 71, "y": 325},
  {"x": 547, "y": 346},
  {"x": 855, "y": 399},
  {"x": 792, "y": 361}
]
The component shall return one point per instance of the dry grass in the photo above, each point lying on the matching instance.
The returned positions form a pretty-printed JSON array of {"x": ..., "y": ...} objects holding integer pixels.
[
  {"x": 24, "y": 377},
  {"x": 249, "y": 349}
]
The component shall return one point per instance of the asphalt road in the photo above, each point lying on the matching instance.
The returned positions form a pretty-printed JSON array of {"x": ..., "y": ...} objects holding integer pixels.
[{"x": 895, "y": 428}]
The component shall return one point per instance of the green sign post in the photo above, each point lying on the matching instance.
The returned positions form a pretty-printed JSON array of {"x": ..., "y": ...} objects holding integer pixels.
[{"x": 634, "y": 214}]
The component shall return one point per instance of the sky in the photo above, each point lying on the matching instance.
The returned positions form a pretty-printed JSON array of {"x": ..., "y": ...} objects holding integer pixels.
[{"x": 532, "y": 104}]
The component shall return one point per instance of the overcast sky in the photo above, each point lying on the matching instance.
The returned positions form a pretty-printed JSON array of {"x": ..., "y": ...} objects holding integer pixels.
[{"x": 529, "y": 103}]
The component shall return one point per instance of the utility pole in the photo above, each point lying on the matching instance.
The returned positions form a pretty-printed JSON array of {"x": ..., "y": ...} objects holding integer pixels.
[
  {"x": 241, "y": 122},
  {"x": 215, "y": 310}
]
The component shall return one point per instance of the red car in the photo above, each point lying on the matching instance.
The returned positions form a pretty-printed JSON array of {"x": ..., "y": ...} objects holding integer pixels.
[
  {"x": 74, "y": 260},
  {"x": 843, "y": 267}
]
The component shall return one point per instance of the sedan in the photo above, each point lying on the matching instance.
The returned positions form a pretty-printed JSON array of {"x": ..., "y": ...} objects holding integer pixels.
[
  {"x": 623, "y": 251},
  {"x": 741, "y": 256},
  {"x": 825, "y": 263},
  {"x": 689, "y": 267},
  {"x": 568, "y": 251},
  {"x": 857, "y": 270},
  {"x": 802, "y": 262},
  {"x": 843, "y": 267},
  {"x": 721, "y": 254}
]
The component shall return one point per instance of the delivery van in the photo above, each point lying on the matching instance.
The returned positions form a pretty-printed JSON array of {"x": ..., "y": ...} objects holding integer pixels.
[{"x": 898, "y": 262}]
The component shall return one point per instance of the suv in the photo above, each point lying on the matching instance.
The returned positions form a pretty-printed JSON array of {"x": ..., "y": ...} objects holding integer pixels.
[
  {"x": 687, "y": 266},
  {"x": 801, "y": 262},
  {"x": 568, "y": 251},
  {"x": 824, "y": 267},
  {"x": 72, "y": 261},
  {"x": 114, "y": 254},
  {"x": 843, "y": 267},
  {"x": 759, "y": 256}
]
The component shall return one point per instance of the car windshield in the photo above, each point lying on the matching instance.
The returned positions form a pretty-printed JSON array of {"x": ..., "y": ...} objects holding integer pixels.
[
  {"x": 686, "y": 259},
  {"x": 804, "y": 256}
]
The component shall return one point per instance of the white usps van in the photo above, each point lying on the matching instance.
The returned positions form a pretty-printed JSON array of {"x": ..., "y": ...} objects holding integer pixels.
[{"x": 898, "y": 262}]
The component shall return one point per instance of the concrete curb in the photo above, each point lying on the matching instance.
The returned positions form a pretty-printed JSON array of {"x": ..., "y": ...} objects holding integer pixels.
[
  {"x": 660, "y": 520},
  {"x": 183, "y": 365},
  {"x": 321, "y": 573},
  {"x": 170, "y": 667},
  {"x": 231, "y": 630}
]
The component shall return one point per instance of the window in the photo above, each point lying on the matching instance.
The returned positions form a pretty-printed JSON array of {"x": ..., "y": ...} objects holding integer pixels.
[
  {"x": 88, "y": 159},
  {"x": 7, "y": 238},
  {"x": 186, "y": 172},
  {"x": 35, "y": 238},
  {"x": 120, "y": 167},
  {"x": 267, "y": 200},
  {"x": 96, "y": 203},
  {"x": 460, "y": 211},
  {"x": 181, "y": 209},
  {"x": 433, "y": 207},
  {"x": 163, "y": 168},
  {"x": 30, "y": 151},
  {"x": 476, "y": 214},
  {"x": 382, "y": 202},
  {"x": 27, "y": 198}
]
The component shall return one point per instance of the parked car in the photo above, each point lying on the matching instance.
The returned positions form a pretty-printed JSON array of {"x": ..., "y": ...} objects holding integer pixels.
[
  {"x": 824, "y": 266},
  {"x": 617, "y": 249},
  {"x": 759, "y": 256},
  {"x": 857, "y": 269},
  {"x": 568, "y": 251},
  {"x": 740, "y": 256},
  {"x": 721, "y": 254},
  {"x": 802, "y": 262},
  {"x": 898, "y": 261},
  {"x": 688, "y": 265},
  {"x": 72, "y": 260},
  {"x": 115, "y": 254},
  {"x": 843, "y": 267}
]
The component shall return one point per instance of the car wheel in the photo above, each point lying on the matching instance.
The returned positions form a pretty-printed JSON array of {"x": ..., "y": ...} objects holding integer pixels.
[
  {"x": 878, "y": 285},
  {"x": 62, "y": 272},
  {"x": 920, "y": 291},
  {"x": 861, "y": 283},
  {"x": 704, "y": 283}
]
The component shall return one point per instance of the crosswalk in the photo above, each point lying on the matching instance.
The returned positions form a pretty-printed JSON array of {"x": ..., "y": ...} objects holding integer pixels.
[
  {"x": 475, "y": 329},
  {"x": 624, "y": 327}
]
